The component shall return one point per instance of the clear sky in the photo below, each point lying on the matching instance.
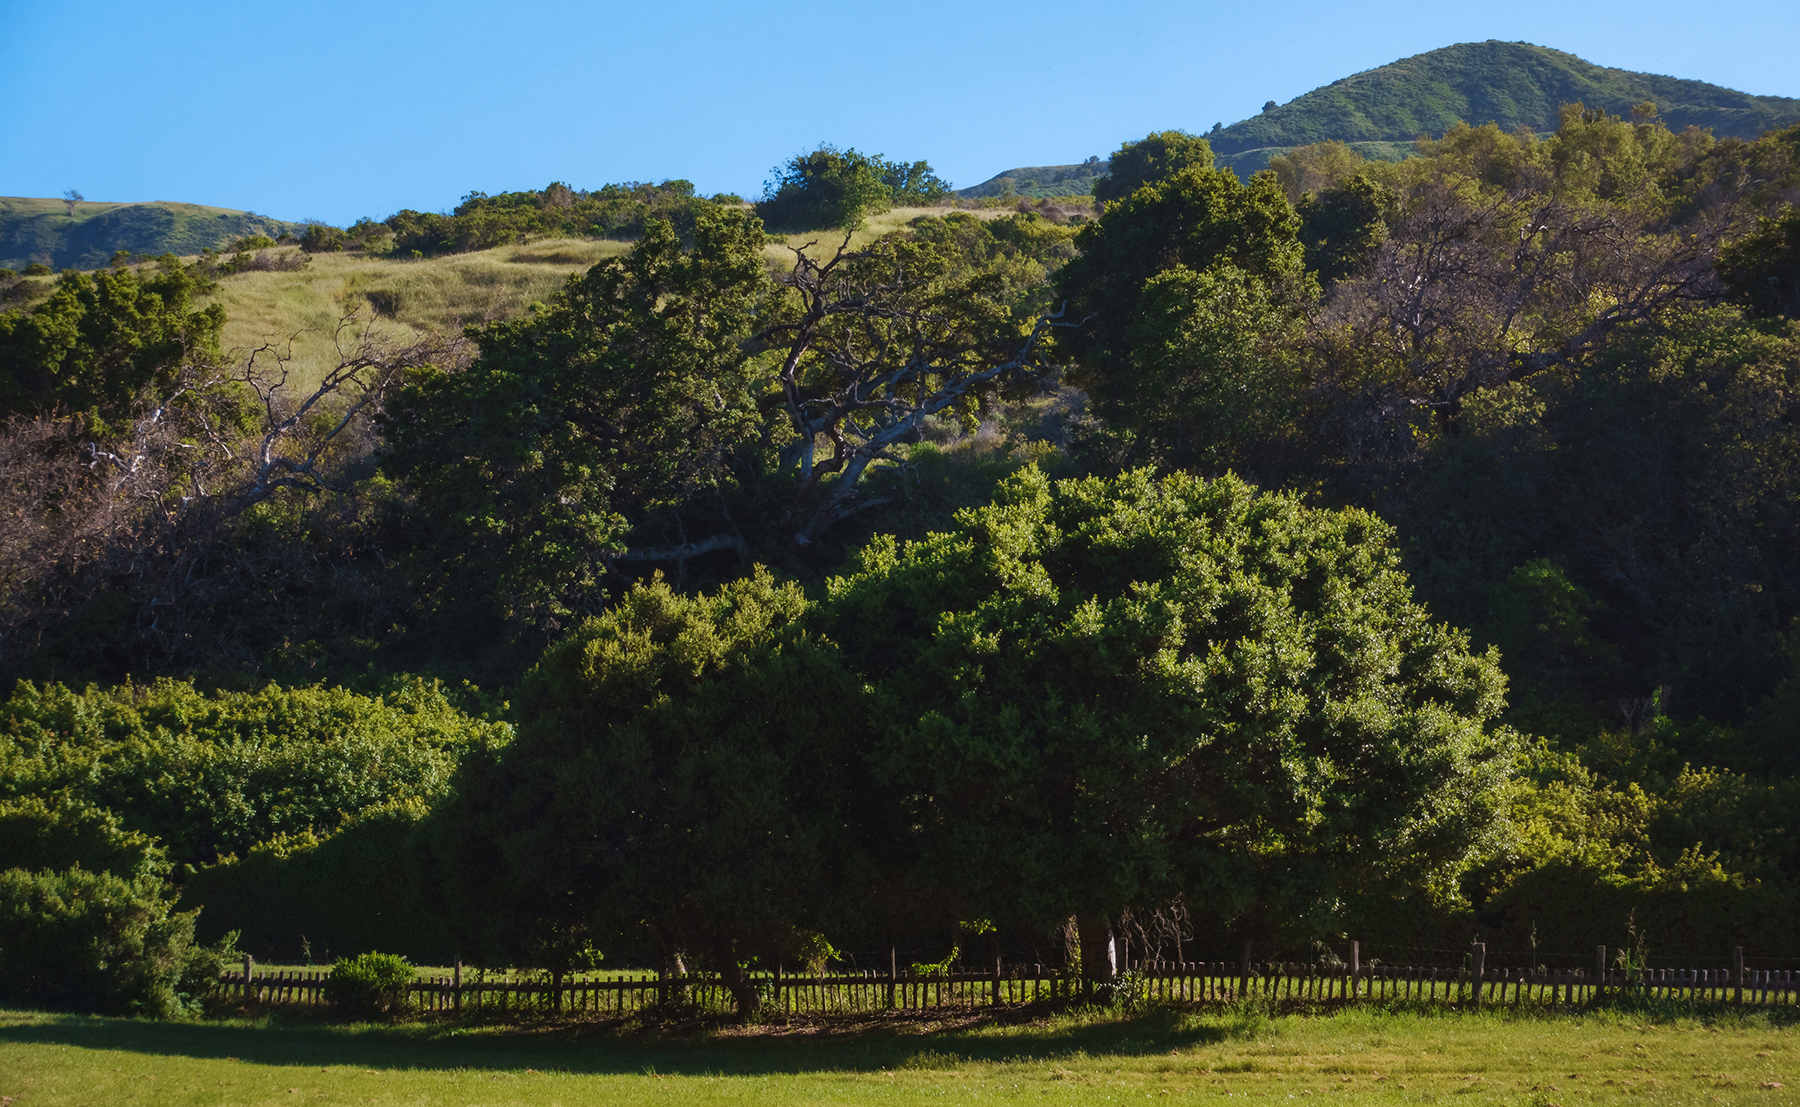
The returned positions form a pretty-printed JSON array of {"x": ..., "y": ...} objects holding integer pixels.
[{"x": 337, "y": 111}]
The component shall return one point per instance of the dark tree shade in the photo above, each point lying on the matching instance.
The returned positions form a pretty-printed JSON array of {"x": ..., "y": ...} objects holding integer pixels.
[
  {"x": 1096, "y": 694},
  {"x": 623, "y": 394},
  {"x": 1762, "y": 269},
  {"x": 676, "y": 788}
]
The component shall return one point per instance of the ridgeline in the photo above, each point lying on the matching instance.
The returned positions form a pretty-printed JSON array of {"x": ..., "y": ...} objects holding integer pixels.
[
  {"x": 1512, "y": 84},
  {"x": 47, "y": 231}
]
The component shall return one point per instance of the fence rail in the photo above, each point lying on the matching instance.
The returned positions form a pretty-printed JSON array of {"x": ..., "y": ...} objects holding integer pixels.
[{"x": 1472, "y": 984}]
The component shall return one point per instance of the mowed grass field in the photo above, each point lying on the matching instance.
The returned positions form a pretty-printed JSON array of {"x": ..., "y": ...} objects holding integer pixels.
[
  {"x": 1356, "y": 1057},
  {"x": 298, "y": 312}
]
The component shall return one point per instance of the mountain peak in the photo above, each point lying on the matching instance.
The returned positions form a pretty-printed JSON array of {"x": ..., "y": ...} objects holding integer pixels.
[{"x": 1511, "y": 84}]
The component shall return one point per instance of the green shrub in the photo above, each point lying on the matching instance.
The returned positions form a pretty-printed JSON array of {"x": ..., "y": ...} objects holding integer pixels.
[
  {"x": 369, "y": 984},
  {"x": 62, "y": 833},
  {"x": 345, "y": 889},
  {"x": 92, "y": 941},
  {"x": 213, "y": 774},
  {"x": 322, "y": 238}
]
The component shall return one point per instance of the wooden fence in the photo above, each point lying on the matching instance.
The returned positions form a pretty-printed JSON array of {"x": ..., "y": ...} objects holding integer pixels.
[{"x": 1471, "y": 984}]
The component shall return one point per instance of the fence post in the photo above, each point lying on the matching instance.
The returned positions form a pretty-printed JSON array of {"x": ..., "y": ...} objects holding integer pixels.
[
  {"x": 1480, "y": 967},
  {"x": 1355, "y": 969},
  {"x": 1737, "y": 974},
  {"x": 456, "y": 984},
  {"x": 249, "y": 968},
  {"x": 996, "y": 993},
  {"x": 893, "y": 975},
  {"x": 1599, "y": 973}
]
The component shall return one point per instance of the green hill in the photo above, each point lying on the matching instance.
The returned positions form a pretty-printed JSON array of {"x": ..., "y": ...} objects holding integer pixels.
[
  {"x": 1041, "y": 182},
  {"x": 39, "y": 230},
  {"x": 1513, "y": 84}
]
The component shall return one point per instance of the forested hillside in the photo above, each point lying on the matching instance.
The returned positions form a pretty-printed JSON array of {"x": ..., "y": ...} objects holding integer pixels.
[
  {"x": 85, "y": 234},
  {"x": 1512, "y": 85},
  {"x": 1508, "y": 84},
  {"x": 1395, "y": 550},
  {"x": 1040, "y": 181}
]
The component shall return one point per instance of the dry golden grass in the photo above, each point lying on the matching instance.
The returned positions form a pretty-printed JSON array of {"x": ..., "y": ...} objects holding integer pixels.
[
  {"x": 822, "y": 243},
  {"x": 301, "y": 309}
]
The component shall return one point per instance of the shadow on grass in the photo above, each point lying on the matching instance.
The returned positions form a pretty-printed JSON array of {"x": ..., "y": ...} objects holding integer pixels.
[{"x": 601, "y": 1050}]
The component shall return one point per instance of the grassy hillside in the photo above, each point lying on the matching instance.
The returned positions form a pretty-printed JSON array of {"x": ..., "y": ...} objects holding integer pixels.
[
  {"x": 42, "y": 230},
  {"x": 1380, "y": 112},
  {"x": 1040, "y": 182},
  {"x": 1247, "y": 162},
  {"x": 1513, "y": 84},
  {"x": 412, "y": 297},
  {"x": 299, "y": 309},
  {"x": 405, "y": 299}
]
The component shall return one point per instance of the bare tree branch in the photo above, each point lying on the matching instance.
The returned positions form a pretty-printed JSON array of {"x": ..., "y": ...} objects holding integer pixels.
[{"x": 870, "y": 356}]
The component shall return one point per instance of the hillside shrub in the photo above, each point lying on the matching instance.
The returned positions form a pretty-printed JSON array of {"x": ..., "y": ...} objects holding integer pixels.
[
  {"x": 369, "y": 985},
  {"x": 104, "y": 339},
  {"x": 829, "y": 187},
  {"x": 482, "y": 221},
  {"x": 215, "y": 774},
  {"x": 56, "y": 832},
  {"x": 336, "y": 891},
  {"x": 322, "y": 238},
  {"x": 92, "y": 941}
]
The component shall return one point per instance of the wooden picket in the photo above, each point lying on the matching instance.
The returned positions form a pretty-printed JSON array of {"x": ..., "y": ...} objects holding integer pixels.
[{"x": 1287, "y": 983}]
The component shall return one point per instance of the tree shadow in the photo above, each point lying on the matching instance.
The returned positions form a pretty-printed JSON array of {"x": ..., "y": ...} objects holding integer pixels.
[{"x": 590, "y": 1049}]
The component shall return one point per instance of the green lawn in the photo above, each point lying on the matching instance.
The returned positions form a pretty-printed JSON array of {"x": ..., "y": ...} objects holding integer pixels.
[{"x": 1354, "y": 1057}]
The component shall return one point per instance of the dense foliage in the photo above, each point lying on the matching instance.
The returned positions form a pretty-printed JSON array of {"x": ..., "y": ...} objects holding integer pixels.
[
  {"x": 482, "y": 221},
  {"x": 829, "y": 188},
  {"x": 679, "y": 783},
  {"x": 625, "y": 395},
  {"x": 1087, "y": 696},
  {"x": 1097, "y": 694},
  {"x": 210, "y": 775},
  {"x": 809, "y": 642},
  {"x": 105, "y": 341},
  {"x": 93, "y": 941}
]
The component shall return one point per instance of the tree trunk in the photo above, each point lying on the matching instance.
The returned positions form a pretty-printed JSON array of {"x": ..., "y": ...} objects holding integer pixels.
[
  {"x": 733, "y": 542},
  {"x": 1098, "y": 963},
  {"x": 743, "y": 990}
]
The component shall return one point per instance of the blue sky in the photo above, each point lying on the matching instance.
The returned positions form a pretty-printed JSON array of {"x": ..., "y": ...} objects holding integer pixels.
[{"x": 339, "y": 111}]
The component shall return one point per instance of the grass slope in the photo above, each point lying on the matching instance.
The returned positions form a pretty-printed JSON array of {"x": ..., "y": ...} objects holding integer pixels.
[
  {"x": 41, "y": 230},
  {"x": 300, "y": 309},
  {"x": 1040, "y": 182},
  {"x": 1355, "y": 1057}
]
